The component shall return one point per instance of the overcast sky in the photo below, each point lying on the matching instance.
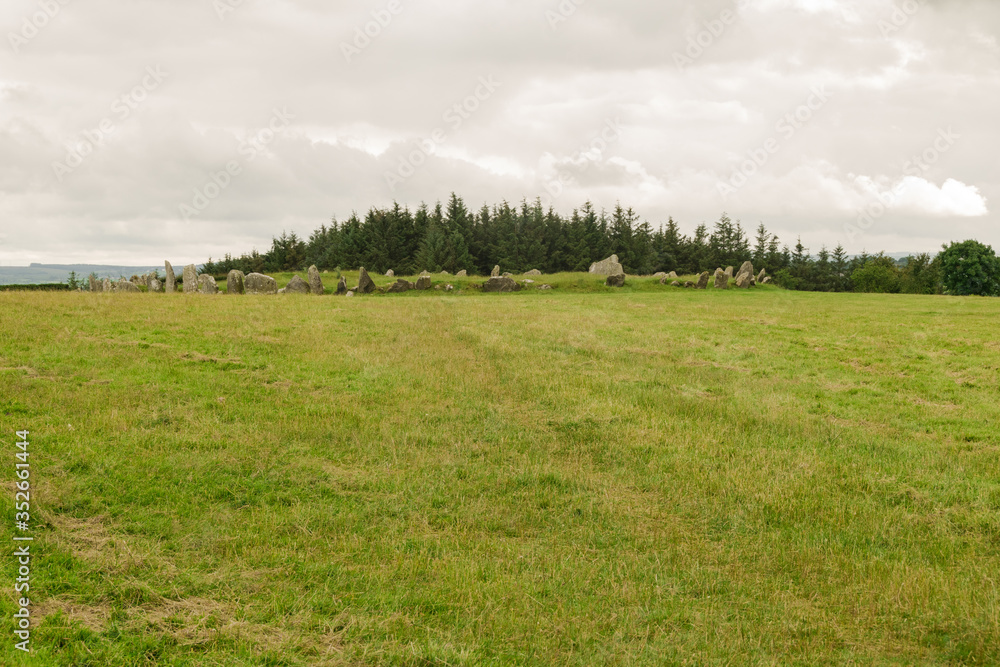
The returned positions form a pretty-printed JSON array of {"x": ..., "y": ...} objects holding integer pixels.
[{"x": 133, "y": 132}]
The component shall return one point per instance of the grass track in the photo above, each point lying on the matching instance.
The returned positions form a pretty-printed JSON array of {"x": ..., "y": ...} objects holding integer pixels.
[{"x": 649, "y": 476}]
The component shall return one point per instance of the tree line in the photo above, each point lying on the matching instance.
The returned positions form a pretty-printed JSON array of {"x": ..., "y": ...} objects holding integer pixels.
[{"x": 527, "y": 236}]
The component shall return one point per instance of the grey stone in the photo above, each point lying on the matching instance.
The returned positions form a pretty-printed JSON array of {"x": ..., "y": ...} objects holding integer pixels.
[
  {"x": 206, "y": 284},
  {"x": 616, "y": 280},
  {"x": 351, "y": 293},
  {"x": 673, "y": 274},
  {"x": 675, "y": 284},
  {"x": 703, "y": 280},
  {"x": 234, "y": 282},
  {"x": 529, "y": 282},
  {"x": 106, "y": 285},
  {"x": 423, "y": 283},
  {"x": 745, "y": 279},
  {"x": 390, "y": 274},
  {"x": 153, "y": 285},
  {"x": 729, "y": 271},
  {"x": 445, "y": 273},
  {"x": 190, "y": 279},
  {"x": 501, "y": 284},
  {"x": 689, "y": 284},
  {"x": 533, "y": 272},
  {"x": 315, "y": 282},
  {"x": 171, "y": 279},
  {"x": 93, "y": 284},
  {"x": 342, "y": 286},
  {"x": 296, "y": 286},
  {"x": 365, "y": 284},
  {"x": 462, "y": 274},
  {"x": 496, "y": 271},
  {"x": 607, "y": 267},
  {"x": 400, "y": 286},
  {"x": 761, "y": 275},
  {"x": 661, "y": 274},
  {"x": 545, "y": 287},
  {"x": 766, "y": 280},
  {"x": 721, "y": 279},
  {"x": 127, "y": 286},
  {"x": 258, "y": 283}
]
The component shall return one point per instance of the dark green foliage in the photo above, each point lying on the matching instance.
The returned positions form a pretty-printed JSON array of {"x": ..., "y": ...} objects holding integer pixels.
[
  {"x": 970, "y": 268},
  {"x": 526, "y": 236}
]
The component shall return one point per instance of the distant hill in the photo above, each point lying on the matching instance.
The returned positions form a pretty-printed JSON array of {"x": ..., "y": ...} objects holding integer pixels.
[{"x": 58, "y": 273}]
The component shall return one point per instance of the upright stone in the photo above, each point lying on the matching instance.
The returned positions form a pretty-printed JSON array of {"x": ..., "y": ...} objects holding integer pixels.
[
  {"x": 729, "y": 272},
  {"x": 234, "y": 282},
  {"x": 296, "y": 286},
  {"x": 761, "y": 276},
  {"x": 462, "y": 274},
  {"x": 390, "y": 274},
  {"x": 315, "y": 281},
  {"x": 673, "y": 274},
  {"x": 126, "y": 286},
  {"x": 423, "y": 283},
  {"x": 153, "y": 285},
  {"x": 190, "y": 279},
  {"x": 342, "y": 286},
  {"x": 365, "y": 283},
  {"x": 171, "y": 279},
  {"x": 258, "y": 283},
  {"x": 745, "y": 278},
  {"x": 721, "y": 279},
  {"x": 496, "y": 271},
  {"x": 703, "y": 280},
  {"x": 607, "y": 267},
  {"x": 616, "y": 280},
  {"x": 106, "y": 285},
  {"x": 206, "y": 284},
  {"x": 93, "y": 283}
]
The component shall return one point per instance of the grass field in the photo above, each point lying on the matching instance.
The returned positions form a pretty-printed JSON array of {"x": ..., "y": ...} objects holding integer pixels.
[{"x": 577, "y": 477}]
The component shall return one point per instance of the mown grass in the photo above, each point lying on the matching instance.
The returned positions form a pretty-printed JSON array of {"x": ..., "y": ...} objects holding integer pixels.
[{"x": 645, "y": 476}]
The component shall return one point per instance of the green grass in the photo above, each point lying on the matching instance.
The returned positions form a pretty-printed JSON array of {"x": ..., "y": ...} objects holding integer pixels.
[{"x": 583, "y": 476}]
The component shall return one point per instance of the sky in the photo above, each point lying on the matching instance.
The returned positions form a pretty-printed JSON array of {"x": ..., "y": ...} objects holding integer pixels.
[{"x": 136, "y": 132}]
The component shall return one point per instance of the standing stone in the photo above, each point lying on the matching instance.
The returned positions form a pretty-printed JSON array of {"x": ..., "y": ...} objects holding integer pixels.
[
  {"x": 721, "y": 279},
  {"x": 190, "y": 279},
  {"x": 616, "y": 281},
  {"x": 315, "y": 282},
  {"x": 342, "y": 286},
  {"x": 761, "y": 276},
  {"x": 745, "y": 279},
  {"x": 258, "y": 283},
  {"x": 234, "y": 282},
  {"x": 423, "y": 283},
  {"x": 296, "y": 286},
  {"x": 126, "y": 286},
  {"x": 608, "y": 267},
  {"x": 661, "y": 274},
  {"x": 462, "y": 274},
  {"x": 154, "y": 285},
  {"x": 171, "y": 279},
  {"x": 390, "y": 274},
  {"x": 206, "y": 284},
  {"x": 501, "y": 284},
  {"x": 445, "y": 273},
  {"x": 703, "y": 280},
  {"x": 533, "y": 272},
  {"x": 93, "y": 283},
  {"x": 673, "y": 274},
  {"x": 496, "y": 271},
  {"x": 766, "y": 280},
  {"x": 365, "y": 284},
  {"x": 729, "y": 272},
  {"x": 106, "y": 285}
]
